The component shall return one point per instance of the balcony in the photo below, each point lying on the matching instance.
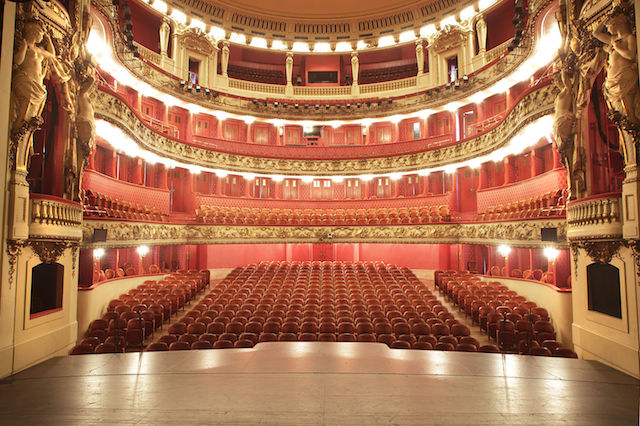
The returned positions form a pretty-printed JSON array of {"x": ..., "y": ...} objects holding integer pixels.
[
  {"x": 595, "y": 217},
  {"x": 55, "y": 218}
]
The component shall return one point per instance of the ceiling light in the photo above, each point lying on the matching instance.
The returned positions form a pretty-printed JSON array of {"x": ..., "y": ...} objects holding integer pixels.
[
  {"x": 467, "y": 13},
  {"x": 428, "y": 30},
  {"x": 449, "y": 20},
  {"x": 196, "y": 23},
  {"x": 386, "y": 41},
  {"x": 322, "y": 47},
  {"x": 179, "y": 16},
  {"x": 142, "y": 250},
  {"x": 238, "y": 38},
  {"x": 484, "y": 4},
  {"x": 217, "y": 33},
  {"x": 160, "y": 6},
  {"x": 258, "y": 42},
  {"x": 343, "y": 46},
  {"x": 361, "y": 45},
  {"x": 300, "y": 46},
  {"x": 278, "y": 45},
  {"x": 407, "y": 36},
  {"x": 551, "y": 253}
]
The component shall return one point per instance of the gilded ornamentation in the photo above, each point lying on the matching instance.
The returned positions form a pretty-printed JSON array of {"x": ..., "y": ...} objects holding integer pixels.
[
  {"x": 451, "y": 37},
  {"x": 621, "y": 84},
  {"x": 124, "y": 234},
  {"x": 601, "y": 251},
  {"x": 533, "y": 105},
  {"x": 49, "y": 251},
  {"x": 194, "y": 39},
  {"x": 14, "y": 250}
]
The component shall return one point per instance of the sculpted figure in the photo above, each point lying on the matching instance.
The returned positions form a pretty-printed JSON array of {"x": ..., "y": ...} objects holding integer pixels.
[
  {"x": 564, "y": 116},
  {"x": 621, "y": 84},
  {"x": 289, "y": 68},
  {"x": 355, "y": 66},
  {"x": 30, "y": 68},
  {"x": 420, "y": 56},
  {"x": 481, "y": 31},
  {"x": 224, "y": 58}
]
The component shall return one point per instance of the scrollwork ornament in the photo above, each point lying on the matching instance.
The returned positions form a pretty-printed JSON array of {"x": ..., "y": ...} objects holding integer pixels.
[
  {"x": 601, "y": 251},
  {"x": 634, "y": 245},
  {"x": 14, "y": 250},
  {"x": 49, "y": 251}
]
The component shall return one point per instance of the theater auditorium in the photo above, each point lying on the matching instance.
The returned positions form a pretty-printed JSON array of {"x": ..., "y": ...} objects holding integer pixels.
[{"x": 336, "y": 212}]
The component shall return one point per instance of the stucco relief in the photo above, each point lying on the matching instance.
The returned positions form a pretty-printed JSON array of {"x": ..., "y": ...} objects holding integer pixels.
[{"x": 123, "y": 234}]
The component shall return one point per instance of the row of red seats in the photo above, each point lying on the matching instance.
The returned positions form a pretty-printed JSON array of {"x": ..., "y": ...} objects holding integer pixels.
[
  {"x": 550, "y": 204},
  {"x": 135, "y": 315},
  {"x": 268, "y": 216},
  {"x": 527, "y": 274},
  {"x": 127, "y": 270},
  {"x": 513, "y": 322},
  {"x": 100, "y": 205},
  {"x": 323, "y": 302},
  {"x": 388, "y": 73},
  {"x": 259, "y": 75}
]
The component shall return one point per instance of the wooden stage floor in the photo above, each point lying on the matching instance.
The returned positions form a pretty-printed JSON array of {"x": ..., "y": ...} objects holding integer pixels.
[{"x": 304, "y": 383}]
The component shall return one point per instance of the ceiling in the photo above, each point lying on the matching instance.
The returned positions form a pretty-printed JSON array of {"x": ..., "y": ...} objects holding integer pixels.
[{"x": 313, "y": 9}]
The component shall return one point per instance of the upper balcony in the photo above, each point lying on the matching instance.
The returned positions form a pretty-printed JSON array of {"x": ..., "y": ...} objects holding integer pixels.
[{"x": 437, "y": 71}]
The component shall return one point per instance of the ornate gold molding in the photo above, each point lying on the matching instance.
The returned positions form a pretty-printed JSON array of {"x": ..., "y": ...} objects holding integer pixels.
[
  {"x": 599, "y": 251},
  {"x": 534, "y": 105},
  {"x": 49, "y": 251},
  {"x": 127, "y": 234},
  {"x": 14, "y": 250}
]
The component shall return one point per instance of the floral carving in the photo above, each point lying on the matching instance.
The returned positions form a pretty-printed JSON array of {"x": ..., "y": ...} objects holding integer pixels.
[
  {"x": 49, "y": 251},
  {"x": 123, "y": 234}
]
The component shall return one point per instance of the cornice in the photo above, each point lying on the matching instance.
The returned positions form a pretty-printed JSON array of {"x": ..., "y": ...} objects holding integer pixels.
[
  {"x": 130, "y": 234},
  {"x": 534, "y": 105}
]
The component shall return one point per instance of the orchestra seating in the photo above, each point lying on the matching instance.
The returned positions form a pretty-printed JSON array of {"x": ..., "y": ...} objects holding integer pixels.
[
  {"x": 549, "y": 204},
  {"x": 135, "y": 315},
  {"x": 100, "y": 205},
  {"x": 516, "y": 325},
  {"x": 274, "y": 216}
]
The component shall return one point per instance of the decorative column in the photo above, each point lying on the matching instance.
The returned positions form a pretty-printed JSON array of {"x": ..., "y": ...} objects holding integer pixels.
[
  {"x": 433, "y": 66},
  {"x": 355, "y": 68},
  {"x": 213, "y": 66},
  {"x": 224, "y": 64}
]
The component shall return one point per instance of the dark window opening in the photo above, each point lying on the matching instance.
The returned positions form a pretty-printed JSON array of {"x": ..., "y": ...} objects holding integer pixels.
[
  {"x": 47, "y": 281},
  {"x": 603, "y": 284},
  {"x": 315, "y": 77}
]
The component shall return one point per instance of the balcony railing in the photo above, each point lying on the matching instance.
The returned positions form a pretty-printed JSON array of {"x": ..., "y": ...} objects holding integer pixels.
[
  {"x": 595, "y": 216},
  {"x": 54, "y": 217}
]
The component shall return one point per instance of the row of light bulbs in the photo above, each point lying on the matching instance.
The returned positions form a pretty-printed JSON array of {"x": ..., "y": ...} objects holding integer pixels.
[
  {"x": 218, "y": 33},
  {"x": 141, "y": 250}
]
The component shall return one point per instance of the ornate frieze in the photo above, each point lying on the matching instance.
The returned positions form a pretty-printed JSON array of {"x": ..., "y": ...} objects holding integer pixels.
[
  {"x": 534, "y": 105},
  {"x": 14, "y": 250},
  {"x": 127, "y": 234}
]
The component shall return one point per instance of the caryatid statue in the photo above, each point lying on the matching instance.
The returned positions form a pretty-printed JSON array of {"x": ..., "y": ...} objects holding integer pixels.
[
  {"x": 355, "y": 67},
  {"x": 289, "y": 68},
  {"x": 481, "y": 32},
  {"x": 621, "y": 84},
  {"x": 420, "y": 56},
  {"x": 30, "y": 66}
]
